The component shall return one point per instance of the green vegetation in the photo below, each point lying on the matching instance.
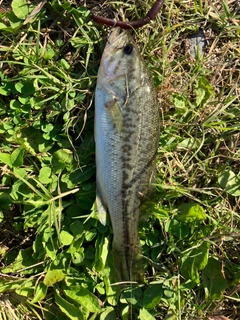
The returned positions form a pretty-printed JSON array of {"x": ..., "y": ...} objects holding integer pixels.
[{"x": 56, "y": 260}]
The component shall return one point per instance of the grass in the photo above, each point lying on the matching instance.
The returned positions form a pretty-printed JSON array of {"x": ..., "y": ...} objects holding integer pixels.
[{"x": 56, "y": 260}]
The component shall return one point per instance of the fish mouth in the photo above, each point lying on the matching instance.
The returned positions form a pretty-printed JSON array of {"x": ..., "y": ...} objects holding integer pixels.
[
  {"x": 115, "y": 34},
  {"x": 116, "y": 31}
]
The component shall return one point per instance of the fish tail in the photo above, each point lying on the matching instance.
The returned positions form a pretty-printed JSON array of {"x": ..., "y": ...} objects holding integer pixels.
[{"x": 128, "y": 262}]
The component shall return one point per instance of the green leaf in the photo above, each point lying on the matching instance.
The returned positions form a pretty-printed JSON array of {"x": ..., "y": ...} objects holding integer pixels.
[
  {"x": 26, "y": 88},
  {"x": 15, "y": 104},
  {"x": 6, "y": 158},
  {"x": 15, "y": 22},
  {"x": 178, "y": 229},
  {"x": 194, "y": 261},
  {"x": 6, "y": 285},
  {"x": 40, "y": 292},
  {"x": 5, "y": 202},
  {"x": 20, "y": 8},
  {"x": 108, "y": 314},
  {"x": 189, "y": 143},
  {"x": 203, "y": 91},
  {"x": 17, "y": 157},
  {"x": 48, "y": 54},
  {"x": 112, "y": 292},
  {"x": 90, "y": 234},
  {"x": 19, "y": 172},
  {"x": 66, "y": 238},
  {"x": 78, "y": 256},
  {"x": 132, "y": 296},
  {"x": 78, "y": 176},
  {"x": 26, "y": 289},
  {"x": 188, "y": 212},
  {"x": 160, "y": 213},
  {"x": 24, "y": 100},
  {"x": 145, "y": 315},
  {"x": 65, "y": 65},
  {"x": 2, "y": 27},
  {"x": 1, "y": 219},
  {"x": 213, "y": 280},
  {"x": 6, "y": 87},
  {"x": 61, "y": 159},
  {"x": 76, "y": 227},
  {"x": 152, "y": 296},
  {"x": 125, "y": 312},
  {"x": 44, "y": 175},
  {"x": 50, "y": 250},
  {"x": 7, "y": 125},
  {"x": 179, "y": 101},
  {"x": 230, "y": 182},
  {"x": 24, "y": 260},
  {"x": 68, "y": 308},
  {"x": 53, "y": 276},
  {"x": 84, "y": 297},
  {"x": 102, "y": 248},
  {"x": 100, "y": 288},
  {"x": 46, "y": 127}
]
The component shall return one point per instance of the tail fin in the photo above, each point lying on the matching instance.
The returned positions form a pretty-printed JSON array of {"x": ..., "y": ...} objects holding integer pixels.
[{"x": 128, "y": 262}]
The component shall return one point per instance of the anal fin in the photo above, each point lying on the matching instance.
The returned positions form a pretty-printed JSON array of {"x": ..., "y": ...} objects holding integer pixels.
[{"x": 101, "y": 207}]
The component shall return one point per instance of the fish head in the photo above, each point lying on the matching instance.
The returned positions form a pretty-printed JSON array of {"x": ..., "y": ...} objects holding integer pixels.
[{"x": 121, "y": 56}]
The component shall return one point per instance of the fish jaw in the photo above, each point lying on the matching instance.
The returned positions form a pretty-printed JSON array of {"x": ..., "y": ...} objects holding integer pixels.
[{"x": 108, "y": 65}]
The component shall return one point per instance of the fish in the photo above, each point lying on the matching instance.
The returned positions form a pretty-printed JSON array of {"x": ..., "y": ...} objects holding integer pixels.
[{"x": 126, "y": 132}]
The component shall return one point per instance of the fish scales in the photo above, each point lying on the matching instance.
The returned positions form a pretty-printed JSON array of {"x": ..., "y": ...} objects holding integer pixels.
[{"x": 126, "y": 136}]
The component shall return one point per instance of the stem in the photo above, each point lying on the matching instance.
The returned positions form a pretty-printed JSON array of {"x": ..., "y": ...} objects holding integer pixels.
[{"x": 152, "y": 13}]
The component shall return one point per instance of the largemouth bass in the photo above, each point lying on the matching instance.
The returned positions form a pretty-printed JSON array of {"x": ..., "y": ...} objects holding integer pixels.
[{"x": 126, "y": 136}]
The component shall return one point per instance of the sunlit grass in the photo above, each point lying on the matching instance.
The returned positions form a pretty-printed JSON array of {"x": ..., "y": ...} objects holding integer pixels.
[{"x": 53, "y": 248}]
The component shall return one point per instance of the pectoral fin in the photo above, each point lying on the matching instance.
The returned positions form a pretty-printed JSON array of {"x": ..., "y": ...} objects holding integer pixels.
[{"x": 115, "y": 113}]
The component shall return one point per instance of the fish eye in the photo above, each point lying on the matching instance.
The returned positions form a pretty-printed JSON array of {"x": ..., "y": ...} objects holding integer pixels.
[{"x": 128, "y": 48}]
